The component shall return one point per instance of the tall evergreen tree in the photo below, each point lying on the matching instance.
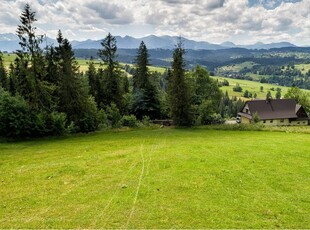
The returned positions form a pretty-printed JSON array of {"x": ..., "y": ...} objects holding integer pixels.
[
  {"x": 178, "y": 89},
  {"x": 52, "y": 66},
  {"x": 112, "y": 83},
  {"x": 141, "y": 75},
  {"x": 73, "y": 96},
  {"x": 32, "y": 73},
  {"x": 93, "y": 81},
  {"x": 146, "y": 100}
]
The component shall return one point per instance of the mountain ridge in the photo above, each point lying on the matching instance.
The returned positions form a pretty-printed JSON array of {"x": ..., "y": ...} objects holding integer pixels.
[{"x": 9, "y": 42}]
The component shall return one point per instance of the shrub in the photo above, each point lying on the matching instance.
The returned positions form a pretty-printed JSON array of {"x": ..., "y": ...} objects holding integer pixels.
[
  {"x": 53, "y": 123},
  {"x": 102, "y": 119},
  {"x": 130, "y": 121},
  {"x": 15, "y": 116},
  {"x": 89, "y": 121},
  {"x": 237, "y": 88},
  {"x": 113, "y": 115},
  {"x": 146, "y": 121},
  {"x": 18, "y": 120}
]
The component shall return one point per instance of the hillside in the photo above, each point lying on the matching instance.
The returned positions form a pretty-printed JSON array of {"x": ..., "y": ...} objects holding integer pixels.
[
  {"x": 157, "y": 179},
  {"x": 250, "y": 85}
]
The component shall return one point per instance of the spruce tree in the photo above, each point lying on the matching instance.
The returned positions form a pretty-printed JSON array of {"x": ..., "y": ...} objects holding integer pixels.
[
  {"x": 179, "y": 94},
  {"x": 73, "y": 96},
  {"x": 93, "y": 81},
  {"x": 112, "y": 83},
  {"x": 146, "y": 101},
  {"x": 52, "y": 67},
  {"x": 31, "y": 64},
  {"x": 141, "y": 75}
]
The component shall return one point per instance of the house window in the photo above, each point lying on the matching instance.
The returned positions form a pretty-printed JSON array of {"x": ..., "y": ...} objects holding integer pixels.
[
  {"x": 264, "y": 121},
  {"x": 298, "y": 122},
  {"x": 271, "y": 121},
  {"x": 247, "y": 111},
  {"x": 281, "y": 120}
]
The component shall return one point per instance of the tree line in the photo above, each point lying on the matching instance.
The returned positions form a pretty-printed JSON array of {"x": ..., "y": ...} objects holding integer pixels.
[{"x": 44, "y": 93}]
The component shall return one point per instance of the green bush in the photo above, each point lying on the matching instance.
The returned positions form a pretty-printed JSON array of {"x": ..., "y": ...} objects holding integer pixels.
[
  {"x": 15, "y": 116},
  {"x": 146, "y": 121},
  {"x": 18, "y": 120},
  {"x": 90, "y": 121},
  {"x": 130, "y": 121},
  {"x": 102, "y": 119},
  {"x": 113, "y": 115},
  {"x": 53, "y": 123}
]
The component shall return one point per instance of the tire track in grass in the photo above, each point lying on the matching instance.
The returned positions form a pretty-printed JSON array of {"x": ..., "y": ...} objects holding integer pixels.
[
  {"x": 155, "y": 146},
  {"x": 115, "y": 194},
  {"x": 138, "y": 187}
]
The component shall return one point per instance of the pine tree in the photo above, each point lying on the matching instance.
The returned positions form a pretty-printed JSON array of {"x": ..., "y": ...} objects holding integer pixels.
[
  {"x": 73, "y": 96},
  {"x": 52, "y": 67},
  {"x": 141, "y": 75},
  {"x": 178, "y": 89},
  {"x": 93, "y": 81},
  {"x": 146, "y": 101},
  {"x": 112, "y": 83},
  {"x": 31, "y": 64}
]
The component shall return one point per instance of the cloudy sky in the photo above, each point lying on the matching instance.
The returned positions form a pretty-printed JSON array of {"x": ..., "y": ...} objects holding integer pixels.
[{"x": 216, "y": 21}]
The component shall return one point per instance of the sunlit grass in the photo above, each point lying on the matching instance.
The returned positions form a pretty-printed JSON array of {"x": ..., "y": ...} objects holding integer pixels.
[
  {"x": 251, "y": 86},
  {"x": 162, "y": 178}
]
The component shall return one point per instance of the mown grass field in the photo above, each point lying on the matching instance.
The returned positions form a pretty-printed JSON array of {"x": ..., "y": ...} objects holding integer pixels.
[
  {"x": 160, "y": 178},
  {"x": 251, "y": 86},
  {"x": 304, "y": 68},
  {"x": 82, "y": 63}
]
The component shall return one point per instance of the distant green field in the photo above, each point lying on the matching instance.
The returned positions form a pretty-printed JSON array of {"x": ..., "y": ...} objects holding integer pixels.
[
  {"x": 163, "y": 178},
  {"x": 237, "y": 67},
  {"x": 83, "y": 63},
  {"x": 251, "y": 86},
  {"x": 304, "y": 68},
  {"x": 8, "y": 59}
]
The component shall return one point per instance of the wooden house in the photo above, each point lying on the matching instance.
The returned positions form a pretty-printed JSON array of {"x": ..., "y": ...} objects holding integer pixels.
[{"x": 273, "y": 112}]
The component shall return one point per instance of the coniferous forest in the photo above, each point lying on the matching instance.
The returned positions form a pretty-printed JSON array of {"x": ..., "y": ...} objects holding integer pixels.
[{"x": 44, "y": 93}]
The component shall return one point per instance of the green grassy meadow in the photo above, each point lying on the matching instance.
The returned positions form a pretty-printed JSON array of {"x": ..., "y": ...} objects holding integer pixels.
[
  {"x": 157, "y": 178},
  {"x": 251, "y": 86},
  {"x": 237, "y": 67},
  {"x": 304, "y": 68},
  {"x": 82, "y": 63}
]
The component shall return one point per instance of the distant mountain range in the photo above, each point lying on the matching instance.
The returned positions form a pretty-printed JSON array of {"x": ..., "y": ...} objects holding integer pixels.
[{"x": 9, "y": 42}]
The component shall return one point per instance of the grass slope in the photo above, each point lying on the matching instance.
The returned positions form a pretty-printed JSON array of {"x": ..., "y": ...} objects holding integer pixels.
[
  {"x": 165, "y": 178},
  {"x": 251, "y": 86}
]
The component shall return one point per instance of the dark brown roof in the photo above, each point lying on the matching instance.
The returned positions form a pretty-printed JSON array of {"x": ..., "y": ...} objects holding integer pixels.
[{"x": 273, "y": 108}]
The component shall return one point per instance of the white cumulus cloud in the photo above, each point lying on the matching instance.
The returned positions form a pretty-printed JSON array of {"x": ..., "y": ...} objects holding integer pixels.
[{"x": 208, "y": 20}]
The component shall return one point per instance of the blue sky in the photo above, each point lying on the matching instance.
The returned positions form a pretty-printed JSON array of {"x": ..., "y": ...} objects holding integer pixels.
[{"x": 216, "y": 21}]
